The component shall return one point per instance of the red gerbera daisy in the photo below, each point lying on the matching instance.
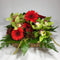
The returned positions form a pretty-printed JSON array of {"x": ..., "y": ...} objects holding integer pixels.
[
  {"x": 31, "y": 15},
  {"x": 27, "y": 27},
  {"x": 17, "y": 34}
]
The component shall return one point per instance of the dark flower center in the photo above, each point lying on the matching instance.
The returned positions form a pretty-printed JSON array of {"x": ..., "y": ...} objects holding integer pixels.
[
  {"x": 31, "y": 16},
  {"x": 27, "y": 26},
  {"x": 17, "y": 33}
]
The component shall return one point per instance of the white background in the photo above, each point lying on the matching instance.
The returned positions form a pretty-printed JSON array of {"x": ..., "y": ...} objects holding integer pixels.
[{"x": 43, "y": 7}]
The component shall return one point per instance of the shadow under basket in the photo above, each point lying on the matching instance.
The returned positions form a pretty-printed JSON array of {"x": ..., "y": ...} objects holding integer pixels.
[{"x": 30, "y": 45}]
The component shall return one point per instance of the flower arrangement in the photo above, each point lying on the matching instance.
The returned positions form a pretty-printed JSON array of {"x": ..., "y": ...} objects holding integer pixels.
[{"x": 29, "y": 28}]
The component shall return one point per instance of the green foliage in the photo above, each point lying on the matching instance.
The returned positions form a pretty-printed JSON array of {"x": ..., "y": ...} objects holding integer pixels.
[
  {"x": 8, "y": 26},
  {"x": 38, "y": 20},
  {"x": 51, "y": 46},
  {"x": 47, "y": 18},
  {"x": 9, "y": 19},
  {"x": 7, "y": 40},
  {"x": 14, "y": 25},
  {"x": 44, "y": 41},
  {"x": 24, "y": 47},
  {"x": 17, "y": 13},
  {"x": 48, "y": 33},
  {"x": 50, "y": 23},
  {"x": 11, "y": 15},
  {"x": 36, "y": 33},
  {"x": 51, "y": 28},
  {"x": 47, "y": 43},
  {"x": 33, "y": 40},
  {"x": 17, "y": 20},
  {"x": 21, "y": 16},
  {"x": 41, "y": 38}
]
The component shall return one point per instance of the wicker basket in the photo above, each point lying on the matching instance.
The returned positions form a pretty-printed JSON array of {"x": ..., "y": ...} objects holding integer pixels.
[{"x": 30, "y": 45}]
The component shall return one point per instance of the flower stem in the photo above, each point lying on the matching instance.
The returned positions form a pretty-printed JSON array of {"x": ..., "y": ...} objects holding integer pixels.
[
  {"x": 55, "y": 42},
  {"x": 18, "y": 47}
]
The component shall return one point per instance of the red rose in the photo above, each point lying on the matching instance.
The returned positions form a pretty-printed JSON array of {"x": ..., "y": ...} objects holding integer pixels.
[
  {"x": 31, "y": 15},
  {"x": 17, "y": 34}
]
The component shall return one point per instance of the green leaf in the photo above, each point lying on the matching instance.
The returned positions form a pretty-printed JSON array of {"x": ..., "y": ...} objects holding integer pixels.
[
  {"x": 47, "y": 18},
  {"x": 41, "y": 44},
  {"x": 47, "y": 44},
  {"x": 42, "y": 21},
  {"x": 0, "y": 47},
  {"x": 8, "y": 26},
  {"x": 53, "y": 28},
  {"x": 49, "y": 40},
  {"x": 2, "y": 44},
  {"x": 33, "y": 27},
  {"x": 31, "y": 23},
  {"x": 9, "y": 19},
  {"x": 15, "y": 28},
  {"x": 51, "y": 46},
  {"x": 36, "y": 34},
  {"x": 21, "y": 16},
  {"x": 11, "y": 15},
  {"x": 7, "y": 44},
  {"x": 7, "y": 40},
  {"x": 38, "y": 20},
  {"x": 47, "y": 28},
  {"x": 41, "y": 38},
  {"x": 17, "y": 13},
  {"x": 44, "y": 40},
  {"x": 50, "y": 28},
  {"x": 33, "y": 40},
  {"x": 24, "y": 47},
  {"x": 17, "y": 20},
  {"x": 50, "y": 23},
  {"x": 48, "y": 33},
  {"x": 13, "y": 24}
]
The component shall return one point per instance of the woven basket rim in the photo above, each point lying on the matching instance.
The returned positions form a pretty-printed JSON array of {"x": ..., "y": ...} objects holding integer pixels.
[{"x": 30, "y": 45}]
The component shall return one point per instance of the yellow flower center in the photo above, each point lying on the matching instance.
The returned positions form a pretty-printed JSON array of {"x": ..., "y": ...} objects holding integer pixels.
[
  {"x": 18, "y": 25},
  {"x": 38, "y": 24},
  {"x": 43, "y": 33},
  {"x": 46, "y": 23}
]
